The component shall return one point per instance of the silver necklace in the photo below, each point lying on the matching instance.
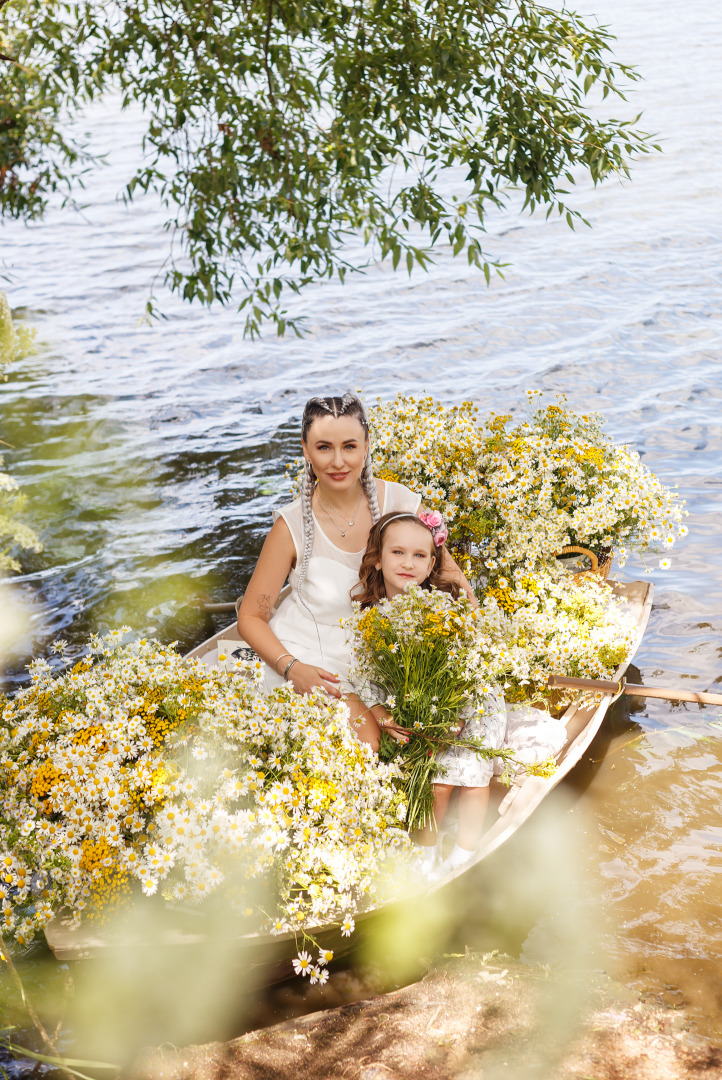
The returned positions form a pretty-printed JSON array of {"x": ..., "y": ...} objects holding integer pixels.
[
  {"x": 336, "y": 527},
  {"x": 350, "y": 523}
]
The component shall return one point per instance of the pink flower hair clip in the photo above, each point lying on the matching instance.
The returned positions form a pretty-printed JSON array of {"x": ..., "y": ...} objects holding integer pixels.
[{"x": 435, "y": 522}]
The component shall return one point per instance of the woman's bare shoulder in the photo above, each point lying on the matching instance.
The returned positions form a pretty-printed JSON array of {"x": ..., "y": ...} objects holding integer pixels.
[{"x": 280, "y": 538}]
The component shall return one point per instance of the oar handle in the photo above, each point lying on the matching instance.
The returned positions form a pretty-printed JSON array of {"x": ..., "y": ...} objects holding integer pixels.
[
  {"x": 600, "y": 685},
  {"x": 604, "y": 686}
]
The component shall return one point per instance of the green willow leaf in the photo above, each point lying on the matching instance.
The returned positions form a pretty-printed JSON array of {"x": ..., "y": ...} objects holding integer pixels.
[{"x": 277, "y": 131}]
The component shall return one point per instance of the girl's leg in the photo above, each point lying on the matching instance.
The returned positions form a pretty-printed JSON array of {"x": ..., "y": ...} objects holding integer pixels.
[
  {"x": 473, "y": 802},
  {"x": 363, "y": 722},
  {"x": 428, "y": 836},
  {"x": 472, "y": 810},
  {"x": 367, "y": 730}
]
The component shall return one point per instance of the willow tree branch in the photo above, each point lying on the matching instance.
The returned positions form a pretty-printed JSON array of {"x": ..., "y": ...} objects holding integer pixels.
[
  {"x": 266, "y": 49},
  {"x": 12, "y": 60}
]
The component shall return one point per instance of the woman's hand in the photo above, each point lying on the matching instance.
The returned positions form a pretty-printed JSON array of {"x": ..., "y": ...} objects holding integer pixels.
[
  {"x": 304, "y": 678},
  {"x": 451, "y": 572}
]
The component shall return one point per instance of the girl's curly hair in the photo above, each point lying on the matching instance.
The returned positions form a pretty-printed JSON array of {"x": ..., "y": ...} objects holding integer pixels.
[{"x": 371, "y": 587}]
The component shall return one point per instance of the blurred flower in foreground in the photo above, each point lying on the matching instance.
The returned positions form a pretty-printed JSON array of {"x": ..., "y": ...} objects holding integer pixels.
[{"x": 13, "y": 622}]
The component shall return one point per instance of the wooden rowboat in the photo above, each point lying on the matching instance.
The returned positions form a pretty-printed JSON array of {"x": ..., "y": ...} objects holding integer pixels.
[{"x": 510, "y": 807}]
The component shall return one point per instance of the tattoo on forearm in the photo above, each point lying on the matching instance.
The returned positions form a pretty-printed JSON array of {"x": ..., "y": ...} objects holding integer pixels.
[{"x": 264, "y": 604}]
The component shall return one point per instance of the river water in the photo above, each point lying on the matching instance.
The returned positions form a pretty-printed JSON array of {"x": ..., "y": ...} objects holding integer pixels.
[{"x": 153, "y": 455}]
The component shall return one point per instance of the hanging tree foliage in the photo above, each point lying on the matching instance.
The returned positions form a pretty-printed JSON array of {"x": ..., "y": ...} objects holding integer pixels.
[{"x": 278, "y": 130}]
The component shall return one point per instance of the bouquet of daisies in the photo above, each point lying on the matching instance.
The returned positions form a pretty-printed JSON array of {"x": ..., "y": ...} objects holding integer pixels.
[
  {"x": 558, "y": 479},
  {"x": 551, "y": 623},
  {"x": 424, "y": 656},
  {"x": 515, "y": 493}
]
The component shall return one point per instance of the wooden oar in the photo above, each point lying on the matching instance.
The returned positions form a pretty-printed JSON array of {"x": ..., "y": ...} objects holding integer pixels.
[{"x": 633, "y": 689}]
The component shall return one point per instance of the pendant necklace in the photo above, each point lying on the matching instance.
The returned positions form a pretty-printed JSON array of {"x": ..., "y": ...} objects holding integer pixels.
[{"x": 350, "y": 523}]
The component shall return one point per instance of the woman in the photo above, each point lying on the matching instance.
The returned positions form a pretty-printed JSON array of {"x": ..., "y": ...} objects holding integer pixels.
[{"x": 317, "y": 543}]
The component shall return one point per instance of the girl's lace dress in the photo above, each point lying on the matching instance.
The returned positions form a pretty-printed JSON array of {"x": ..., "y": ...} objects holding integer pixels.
[
  {"x": 460, "y": 766},
  {"x": 531, "y": 733}
]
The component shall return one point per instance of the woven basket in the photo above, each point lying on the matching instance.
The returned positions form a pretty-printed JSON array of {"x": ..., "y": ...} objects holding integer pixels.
[{"x": 598, "y": 568}]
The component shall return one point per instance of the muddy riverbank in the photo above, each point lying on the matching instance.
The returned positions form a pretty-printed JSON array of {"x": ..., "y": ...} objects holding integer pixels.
[{"x": 470, "y": 1017}]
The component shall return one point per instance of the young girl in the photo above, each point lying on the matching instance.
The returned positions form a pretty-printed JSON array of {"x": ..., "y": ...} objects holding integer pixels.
[{"x": 405, "y": 548}]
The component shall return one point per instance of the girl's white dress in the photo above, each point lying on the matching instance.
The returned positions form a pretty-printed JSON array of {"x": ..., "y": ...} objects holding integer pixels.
[
  {"x": 460, "y": 766},
  {"x": 531, "y": 733},
  {"x": 309, "y": 625}
]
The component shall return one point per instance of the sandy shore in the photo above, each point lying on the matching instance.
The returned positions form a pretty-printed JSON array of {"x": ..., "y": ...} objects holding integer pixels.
[{"x": 472, "y": 1017}]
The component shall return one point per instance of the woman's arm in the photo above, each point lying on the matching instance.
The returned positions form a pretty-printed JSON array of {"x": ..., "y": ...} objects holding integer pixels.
[
  {"x": 273, "y": 567},
  {"x": 451, "y": 572}
]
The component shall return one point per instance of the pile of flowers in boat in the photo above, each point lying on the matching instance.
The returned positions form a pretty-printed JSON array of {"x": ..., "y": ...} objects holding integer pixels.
[
  {"x": 513, "y": 495},
  {"x": 139, "y": 772}
]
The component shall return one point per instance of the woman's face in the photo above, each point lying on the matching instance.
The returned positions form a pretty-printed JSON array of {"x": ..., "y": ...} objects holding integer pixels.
[
  {"x": 407, "y": 555},
  {"x": 336, "y": 446}
]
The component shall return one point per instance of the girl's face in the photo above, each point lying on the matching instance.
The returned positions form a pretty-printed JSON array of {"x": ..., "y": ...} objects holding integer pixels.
[
  {"x": 407, "y": 555},
  {"x": 336, "y": 446}
]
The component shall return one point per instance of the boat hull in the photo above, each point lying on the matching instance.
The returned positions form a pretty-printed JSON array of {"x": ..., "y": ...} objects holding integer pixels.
[{"x": 266, "y": 957}]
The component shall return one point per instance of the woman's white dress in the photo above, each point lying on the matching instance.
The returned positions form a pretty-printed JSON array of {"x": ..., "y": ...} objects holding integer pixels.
[{"x": 309, "y": 624}]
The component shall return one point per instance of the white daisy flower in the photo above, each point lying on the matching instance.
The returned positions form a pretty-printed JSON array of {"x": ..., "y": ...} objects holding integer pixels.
[{"x": 302, "y": 964}]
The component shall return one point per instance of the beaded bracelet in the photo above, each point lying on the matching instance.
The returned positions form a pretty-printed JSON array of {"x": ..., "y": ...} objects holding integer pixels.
[{"x": 289, "y": 666}]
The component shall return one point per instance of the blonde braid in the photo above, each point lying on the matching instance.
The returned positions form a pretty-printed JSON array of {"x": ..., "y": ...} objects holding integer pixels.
[
  {"x": 369, "y": 485},
  {"x": 307, "y": 489}
]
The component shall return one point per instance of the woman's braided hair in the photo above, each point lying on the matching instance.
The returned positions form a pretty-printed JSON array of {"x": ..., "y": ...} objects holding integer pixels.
[{"x": 348, "y": 405}]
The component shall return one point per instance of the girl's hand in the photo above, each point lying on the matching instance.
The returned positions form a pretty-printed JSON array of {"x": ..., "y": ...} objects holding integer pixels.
[
  {"x": 400, "y": 734},
  {"x": 304, "y": 678}
]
